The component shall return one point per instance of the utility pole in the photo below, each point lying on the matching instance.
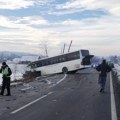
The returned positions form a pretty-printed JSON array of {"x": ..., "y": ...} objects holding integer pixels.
[
  {"x": 46, "y": 51},
  {"x": 69, "y": 46},
  {"x": 44, "y": 47},
  {"x": 61, "y": 51},
  {"x": 64, "y": 48}
]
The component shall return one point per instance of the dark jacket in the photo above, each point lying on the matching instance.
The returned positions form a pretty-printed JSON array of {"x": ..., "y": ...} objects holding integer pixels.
[
  {"x": 9, "y": 71},
  {"x": 104, "y": 68}
]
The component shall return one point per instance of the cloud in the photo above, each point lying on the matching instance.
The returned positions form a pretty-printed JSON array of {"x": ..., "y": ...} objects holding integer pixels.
[
  {"x": 65, "y": 12},
  {"x": 7, "y": 22},
  {"x": 19, "y": 4},
  {"x": 110, "y": 6},
  {"x": 96, "y": 34},
  {"x": 15, "y": 4},
  {"x": 32, "y": 20},
  {"x": 89, "y": 32},
  {"x": 115, "y": 11},
  {"x": 21, "y": 30},
  {"x": 23, "y": 23}
]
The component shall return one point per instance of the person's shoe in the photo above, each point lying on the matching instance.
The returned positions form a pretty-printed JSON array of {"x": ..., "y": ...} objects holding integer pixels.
[
  {"x": 8, "y": 94},
  {"x": 1, "y": 94},
  {"x": 101, "y": 90}
]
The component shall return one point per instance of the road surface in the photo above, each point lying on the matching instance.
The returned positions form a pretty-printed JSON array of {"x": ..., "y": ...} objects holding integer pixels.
[{"x": 75, "y": 98}]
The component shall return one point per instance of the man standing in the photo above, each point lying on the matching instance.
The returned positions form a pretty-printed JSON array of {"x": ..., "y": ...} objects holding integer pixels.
[
  {"x": 103, "y": 68},
  {"x": 6, "y": 72}
]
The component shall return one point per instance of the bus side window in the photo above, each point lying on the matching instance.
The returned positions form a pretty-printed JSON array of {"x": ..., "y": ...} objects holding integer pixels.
[
  {"x": 46, "y": 62},
  {"x": 65, "y": 56},
  {"x": 63, "y": 59},
  {"x": 42, "y": 63},
  {"x": 37, "y": 64},
  {"x": 56, "y": 60},
  {"x": 69, "y": 57},
  {"x": 53, "y": 60},
  {"x": 34, "y": 65},
  {"x": 50, "y": 61},
  {"x": 59, "y": 59},
  {"x": 75, "y": 56}
]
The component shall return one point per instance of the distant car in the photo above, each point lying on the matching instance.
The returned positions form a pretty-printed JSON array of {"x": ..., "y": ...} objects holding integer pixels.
[{"x": 94, "y": 65}]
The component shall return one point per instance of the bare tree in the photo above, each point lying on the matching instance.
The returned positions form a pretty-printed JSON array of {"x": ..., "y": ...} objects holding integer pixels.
[
  {"x": 19, "y": 71},
  {"x": 2, "y": 57},
  {"x": 44, "y": 46},
  {"x": 15, "y": 70}
]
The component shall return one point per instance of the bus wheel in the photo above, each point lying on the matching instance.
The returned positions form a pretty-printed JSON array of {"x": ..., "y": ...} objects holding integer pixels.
[{"x": 65, "y": 70}]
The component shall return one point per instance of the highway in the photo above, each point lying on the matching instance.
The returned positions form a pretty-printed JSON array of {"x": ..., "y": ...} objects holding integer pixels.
[{"x": 75, "y": 98}]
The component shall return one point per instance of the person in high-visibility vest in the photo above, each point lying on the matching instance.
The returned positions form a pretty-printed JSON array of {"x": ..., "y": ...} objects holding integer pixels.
[{"x": 6, "y": 73}]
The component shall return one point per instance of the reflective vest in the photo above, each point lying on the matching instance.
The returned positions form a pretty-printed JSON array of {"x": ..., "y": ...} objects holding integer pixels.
[{"x": 5, "y": 72}]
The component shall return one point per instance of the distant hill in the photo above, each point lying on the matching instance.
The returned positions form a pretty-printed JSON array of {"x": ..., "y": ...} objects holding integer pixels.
[{"x": 6, "y": 55}]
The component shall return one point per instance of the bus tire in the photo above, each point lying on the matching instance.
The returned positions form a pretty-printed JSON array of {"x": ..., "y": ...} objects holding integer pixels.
[{"x": 65, "y": 70}]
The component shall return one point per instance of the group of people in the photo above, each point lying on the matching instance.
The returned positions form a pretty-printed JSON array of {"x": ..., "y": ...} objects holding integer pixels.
[{"x": 103, "y": 69}]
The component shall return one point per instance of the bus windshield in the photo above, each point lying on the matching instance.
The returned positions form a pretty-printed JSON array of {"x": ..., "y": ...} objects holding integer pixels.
[{"x": 84, "y": 52}]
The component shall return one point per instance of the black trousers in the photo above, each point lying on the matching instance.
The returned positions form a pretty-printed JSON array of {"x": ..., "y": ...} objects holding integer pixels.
[{"x": 6, "y": 84}]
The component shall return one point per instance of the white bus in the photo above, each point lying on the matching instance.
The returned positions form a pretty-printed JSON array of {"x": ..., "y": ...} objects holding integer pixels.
[{"x": 68, "y": 62}]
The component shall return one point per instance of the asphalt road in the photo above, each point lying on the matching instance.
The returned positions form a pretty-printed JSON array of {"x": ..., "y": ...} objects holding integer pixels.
[{"x": 76, "y": 98}]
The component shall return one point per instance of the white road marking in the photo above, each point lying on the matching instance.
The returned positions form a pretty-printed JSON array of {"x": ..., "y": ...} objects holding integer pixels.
[
  {"x": 62, "y": 79},
  {"x": 30, "y": 103},
  {"x": 38, "y": 98},
  {"x": 113, "y": 106},
  {"x": 24, "y": 89}
]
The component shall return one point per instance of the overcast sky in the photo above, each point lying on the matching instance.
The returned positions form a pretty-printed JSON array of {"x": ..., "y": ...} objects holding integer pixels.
[{"x": 25, "y": 25}]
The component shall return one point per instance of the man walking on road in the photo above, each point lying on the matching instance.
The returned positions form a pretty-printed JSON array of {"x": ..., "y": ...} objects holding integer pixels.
[
  {"x": 6, "y": 72},
  {"x": 103, "y": 68}
]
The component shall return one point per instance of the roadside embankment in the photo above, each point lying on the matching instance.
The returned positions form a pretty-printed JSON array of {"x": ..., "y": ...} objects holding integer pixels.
[{"x": 116, "y": 85}]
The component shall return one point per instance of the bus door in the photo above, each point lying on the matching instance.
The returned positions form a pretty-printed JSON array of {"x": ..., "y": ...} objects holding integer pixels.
[{"x": 87, "y": 60}]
